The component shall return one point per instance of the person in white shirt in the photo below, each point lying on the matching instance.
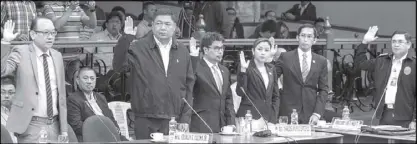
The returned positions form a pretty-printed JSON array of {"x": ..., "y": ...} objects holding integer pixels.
[
  {"x": 145, "y": 25},
  {"x": 395, "y": 79},
  {"x": 7, "y": 95}
]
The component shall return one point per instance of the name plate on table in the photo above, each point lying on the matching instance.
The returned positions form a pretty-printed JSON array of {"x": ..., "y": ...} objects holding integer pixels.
[
  {"x": 191, "y": 138},
  {"x": 294, "y": 130},
  {"x": 347, "y": 124}
]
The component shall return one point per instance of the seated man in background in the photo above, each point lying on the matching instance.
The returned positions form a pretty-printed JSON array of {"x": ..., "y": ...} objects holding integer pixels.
[
  {"x": 267, "y": 30},
  {"x": 111, "y": 32},
  {"x": 303, "y": 11},
  {"x": 7, "y": 95},
  {"x": 145, "y": 25},
  {"x": 319, "y": 24},
  {"x": 85, "y": 103}
]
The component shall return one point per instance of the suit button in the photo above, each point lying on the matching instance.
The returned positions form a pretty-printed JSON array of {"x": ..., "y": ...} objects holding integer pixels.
[
  {"x": 36, "y": 93},
  {"x": 33, "y": 109}
]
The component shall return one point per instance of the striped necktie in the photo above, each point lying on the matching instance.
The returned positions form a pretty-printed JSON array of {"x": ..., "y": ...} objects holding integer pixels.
[
  {"x": 48, "y": 87},
  {"x": 304, "y": 70},
  {"x": 217, "y": 78}
]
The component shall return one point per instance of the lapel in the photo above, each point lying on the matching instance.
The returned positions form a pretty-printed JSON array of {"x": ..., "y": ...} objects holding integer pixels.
[
  {"x": 270, "y": 77},
  {"x": 209, "y": 74},
  {"x": 173, "y": 58},
  {"x": 313, "y": 66},
  {"x": 296, "y": 66},
  {"x": 155, "y": 53},
  {"x": 225, "y": 79},
  {"x": 257, "y": 73},
  {"x": 100, "y": 103},
  {"x": 57, "y": 66},
  {"x": 33, "y": 59}
]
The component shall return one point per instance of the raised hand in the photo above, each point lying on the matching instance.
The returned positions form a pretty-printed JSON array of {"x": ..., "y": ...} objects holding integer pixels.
[
  {"x": 272, "y": 40},
  {"x": 91, "y": 5},
  {"x": 129, "y": 29},
  {"x": 194, "y": 50},
  {"x": 243, "y": 63},
  {"x": 370, "y": 35},
  {"x": 8, "y": 34}
]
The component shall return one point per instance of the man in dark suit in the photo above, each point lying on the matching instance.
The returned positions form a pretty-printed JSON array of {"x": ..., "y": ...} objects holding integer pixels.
[
  {"x": 305, "y": 84},
  {"x": 212, "y": 94},
  {"x": 40, "y": 99},
  {"x": 161, "y": 76},
  {"x": 85, "y": 103},
  {"x": 395, "y": 79},
  {"x": 303, "y": 11}
]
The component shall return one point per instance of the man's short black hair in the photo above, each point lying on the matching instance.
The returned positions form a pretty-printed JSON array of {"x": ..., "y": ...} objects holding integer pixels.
[
  {"x": 318, "y": 20},
  {"x": 146, "y": 4},
  {"x": 209, "y": 38},
  {"x": 266, "y": 13},
  {"x": 406, "y": 35},
  {"x": 113, "y": 14},
  {"x": 166, "y": 11},
  {"x": 34, "y": 23},
  {"x": 307, "y": 25},
  {"x": 86, "y": 68},
  {"x": 269, "y": 25},
  {"x": 7, "y": 81},
  {"x": 119, "y": 8}
]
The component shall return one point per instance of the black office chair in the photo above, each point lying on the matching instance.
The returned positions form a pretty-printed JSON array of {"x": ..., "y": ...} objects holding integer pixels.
[
  {"x": 72, "y": 138},
  {"x": 100, "y": 129},
  {"x": 5, "y": 135}
]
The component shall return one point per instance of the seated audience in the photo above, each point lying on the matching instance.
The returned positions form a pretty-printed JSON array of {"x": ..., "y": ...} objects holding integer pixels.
[
  {"x": 237, "y": 29},
  {"x": 267, "y": 30},
  {"x": 303, "y": 11},
  {"x": 20, "y": 12},
  {"x": 7, "y": 95},
  {"x": 85, "y": 103},
  {"x": 120, "y": 9},
  {"x": 319, "y": 24},
  {"x": 112, "y": 31}
]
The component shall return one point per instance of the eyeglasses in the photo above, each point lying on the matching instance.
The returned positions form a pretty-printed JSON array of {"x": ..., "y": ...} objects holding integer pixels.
[
  {"x": 218, "y": 49},
  {"x": 115, "y": 22},
  {"x": 160, "y": 24},
  {"x": 46, "y": 33},
  {"x": 398, "y": 42},
  {"x": 10, "y": 93},
  {"x": 307, "y": 36}
]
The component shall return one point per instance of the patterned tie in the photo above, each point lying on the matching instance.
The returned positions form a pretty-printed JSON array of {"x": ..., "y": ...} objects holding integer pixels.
[
  {"x": 304, "y": 70},
  {"x": 217, "y": 78},
  {"x": 48, "y": 87}
]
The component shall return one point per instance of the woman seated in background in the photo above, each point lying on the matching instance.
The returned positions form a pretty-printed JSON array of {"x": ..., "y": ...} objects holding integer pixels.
[
  {"x": 85, "y": 103},
  {"x": 259, "y": 82}
]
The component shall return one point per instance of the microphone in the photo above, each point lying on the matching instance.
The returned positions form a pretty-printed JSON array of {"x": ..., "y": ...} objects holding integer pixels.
[
  {"x": 200, "y": 119},
  {"x": 376, "y": 109},
  {"x": 264, "y": 133}
]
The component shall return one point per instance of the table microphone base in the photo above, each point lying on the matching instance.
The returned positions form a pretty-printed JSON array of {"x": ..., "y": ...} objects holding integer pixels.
[{"x": 264, "y": 133}]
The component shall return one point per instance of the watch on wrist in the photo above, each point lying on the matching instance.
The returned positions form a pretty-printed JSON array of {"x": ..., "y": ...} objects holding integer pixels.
[{"x": 92, "y": 10}]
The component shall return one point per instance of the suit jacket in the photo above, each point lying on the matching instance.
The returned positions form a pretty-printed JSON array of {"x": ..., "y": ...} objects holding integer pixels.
[
  {"x": 308, "y": 14},
  {"x": 306, "y": 97},
  {"x": 267, "y": 100},
  {"x": 155, "y": 93},
  {"x": 26, "y": 77},
  {"x": 214, "y": 107},
  {"x": 380, "y": 67},
  {"x": 79, "y": 111}
]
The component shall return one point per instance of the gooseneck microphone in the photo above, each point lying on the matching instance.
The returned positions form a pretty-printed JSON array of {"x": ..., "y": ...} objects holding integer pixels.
[
  {"x": 266, "y": 132},
  {"x": 377, "y": 106},
  {"x": 200, "y": 119}
]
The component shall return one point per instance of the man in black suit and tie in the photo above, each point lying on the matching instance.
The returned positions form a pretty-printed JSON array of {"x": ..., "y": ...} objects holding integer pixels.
[
  {"x": 302, "y": 11},
  {"x": 212, "y": 94},
  {"x": 305, "y": 84}
]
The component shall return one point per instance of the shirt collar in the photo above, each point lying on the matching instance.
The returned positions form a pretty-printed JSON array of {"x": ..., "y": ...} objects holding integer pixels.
[
  {"x": 160, "y": 44},
  {"x": 89, "y": 96},
  {"x": 300, "y": 52},
  {"x": 299, "y": 6},
  {"x": 39, "y": 52},
  {"x": 209, "y": 63},
  {"x": 402, "y": 58},
  {"x": 107, "y": 33}
]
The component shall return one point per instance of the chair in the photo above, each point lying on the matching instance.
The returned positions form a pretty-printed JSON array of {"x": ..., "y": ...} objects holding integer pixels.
[
  {"x": 99, "y": 128},
  {"x": 72, "y": 138},
  {"x": 5, "y": 135},
  {"x": 119, "y": 110}
]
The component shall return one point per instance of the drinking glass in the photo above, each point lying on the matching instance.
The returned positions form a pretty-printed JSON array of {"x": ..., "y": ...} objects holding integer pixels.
[
  {"x": 283, "y": 120},
  {"x": 183, "y": 127},
  {"x": 63, "y": 139}
]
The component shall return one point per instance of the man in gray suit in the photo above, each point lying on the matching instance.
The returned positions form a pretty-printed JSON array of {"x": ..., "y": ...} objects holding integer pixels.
[
  {"x": 305, "y": 84},
  {"x": 40, "y": 100}
]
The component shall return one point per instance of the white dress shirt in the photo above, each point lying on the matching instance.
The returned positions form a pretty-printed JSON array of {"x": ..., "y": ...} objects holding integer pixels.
[
  {"x": 92, "y": 103},
  {"x": 265, "y": 77},
  {"x": 210, "y": 65},
  {"x": 42, "y": 109},
  {"x": 164, "y": 49},
  {"x": 391, "y": 91},
  {"x": 302, "y": 8}
]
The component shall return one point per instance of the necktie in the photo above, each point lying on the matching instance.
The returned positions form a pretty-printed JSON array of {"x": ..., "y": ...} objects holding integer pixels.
[
  {"x": 304, "y": 70},
  {"x": 48, "y": 87},
  {"x": 217, "y": 78}
]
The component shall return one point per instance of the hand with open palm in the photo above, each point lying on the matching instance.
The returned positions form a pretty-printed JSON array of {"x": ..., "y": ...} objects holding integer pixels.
[
  {"x": 243, "y": 63},
  {"x": 370, "y": 36},
  {"x": 129, "y": 28},
  {"x": 194, "y": 50},
  {"x": 8, "y": 34}
]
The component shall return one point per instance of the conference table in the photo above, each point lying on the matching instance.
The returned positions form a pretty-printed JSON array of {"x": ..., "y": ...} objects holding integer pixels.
[
  {"x": 316, "y": 137},
  {"x": 349, "y": 136}
]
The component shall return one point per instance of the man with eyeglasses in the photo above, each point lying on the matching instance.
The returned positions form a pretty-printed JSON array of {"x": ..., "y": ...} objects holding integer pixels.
[
  {"x": 40, "y": 84},
  {"x": 395, "y": 78},
  {"x": 305, "y": 85},
  {"x": 8, "y": 92},
  {"x": 161, "y": 76},
  {"x": 212, "y": 94}
]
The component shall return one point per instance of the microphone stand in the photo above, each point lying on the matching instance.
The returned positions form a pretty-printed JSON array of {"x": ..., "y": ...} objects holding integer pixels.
[
  {"x": 266, "y": 132},
  {"x": 212, "y": 134}
]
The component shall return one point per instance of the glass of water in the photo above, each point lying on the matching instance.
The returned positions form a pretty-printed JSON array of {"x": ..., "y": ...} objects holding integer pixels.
[
  {"x": 283, "y": 120},
  {"x": 183, "y": 127}
]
